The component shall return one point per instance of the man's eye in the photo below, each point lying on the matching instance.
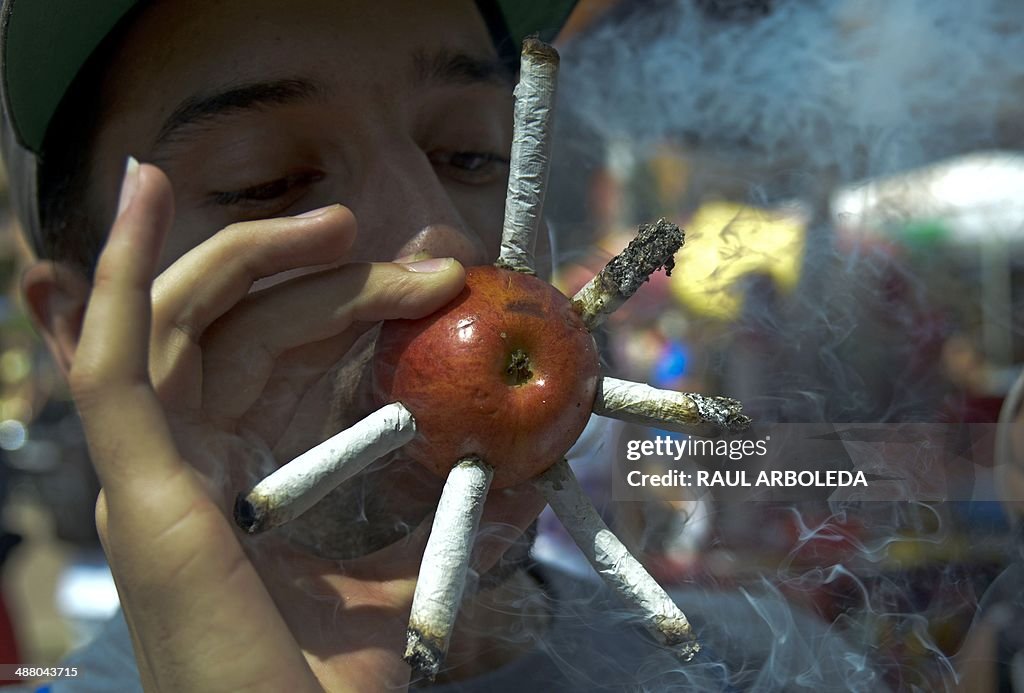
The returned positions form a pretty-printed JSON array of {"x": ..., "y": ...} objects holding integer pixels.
[
  {"x": 471, "y": 167},
  {"x": 266, "y": 192}
]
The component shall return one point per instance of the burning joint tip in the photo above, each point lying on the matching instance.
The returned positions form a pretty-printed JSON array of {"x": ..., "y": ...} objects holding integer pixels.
[
  {"x": 422, "y": 654},
  {"x": 725, "y": 412},
  {"x": 653, "y": 248},
  {"x": 678, "y": 634},
  {"x": 738, "y": 423},
  {"x": 540, "y": 51},
  {"x": 688, "y": 650},
  {"x": 247, "y": 516}
]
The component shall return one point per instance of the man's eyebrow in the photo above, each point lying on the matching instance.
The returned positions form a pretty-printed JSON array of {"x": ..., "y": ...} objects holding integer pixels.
[
  {"x": 199, "y": 109},
  {"x": 445, "y": 67}
]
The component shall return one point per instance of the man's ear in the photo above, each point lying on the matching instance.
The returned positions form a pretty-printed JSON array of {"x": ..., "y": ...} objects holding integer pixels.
[{"x": 56, "y": 294}]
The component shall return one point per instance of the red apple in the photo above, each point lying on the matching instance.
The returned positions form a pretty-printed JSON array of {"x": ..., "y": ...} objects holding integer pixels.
[{"x": 506, "y": 372}]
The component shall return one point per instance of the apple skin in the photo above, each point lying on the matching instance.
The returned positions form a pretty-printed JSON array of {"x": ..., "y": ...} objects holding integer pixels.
[{"x": 506, "y": 372}]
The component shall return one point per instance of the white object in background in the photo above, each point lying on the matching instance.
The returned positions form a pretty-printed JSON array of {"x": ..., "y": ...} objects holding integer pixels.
[{"x": 86, "y": 596}]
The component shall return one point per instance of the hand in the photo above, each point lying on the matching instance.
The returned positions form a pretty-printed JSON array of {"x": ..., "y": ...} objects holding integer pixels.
[{"x": 180, "y": 378}]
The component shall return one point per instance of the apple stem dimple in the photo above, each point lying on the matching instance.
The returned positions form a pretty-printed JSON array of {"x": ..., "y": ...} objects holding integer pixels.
[
  {"x": 518, "y": 369},
  {"x": 613, "y": 561},
  {"x": 531, "y": 153}
]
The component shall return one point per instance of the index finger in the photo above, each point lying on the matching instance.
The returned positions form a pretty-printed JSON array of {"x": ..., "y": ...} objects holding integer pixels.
[
  {"x": 242, "y": 348},
  {"x": 125, "y": 426}
]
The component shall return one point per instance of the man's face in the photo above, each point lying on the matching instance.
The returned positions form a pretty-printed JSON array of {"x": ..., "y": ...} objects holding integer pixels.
[{"x": 398, "y": 110}]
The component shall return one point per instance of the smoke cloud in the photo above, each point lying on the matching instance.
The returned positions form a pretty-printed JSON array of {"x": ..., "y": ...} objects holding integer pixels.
[{"x": 850, "y": 89}]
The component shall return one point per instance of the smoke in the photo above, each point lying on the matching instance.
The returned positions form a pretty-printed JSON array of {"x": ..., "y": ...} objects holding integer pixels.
[
  {"x": 792, "y": 104},
  {"x": 842, "y": 89}
]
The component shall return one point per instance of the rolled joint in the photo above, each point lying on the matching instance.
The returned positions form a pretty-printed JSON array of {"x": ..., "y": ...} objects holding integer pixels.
[
  {"x": 442, "y": 578},
  {"x": 613, "y": 562},
  {"x": 530, "y": 156},
  {"x": 682, "y": 412},
  {"x": 653, "y": 248},
  {"x": 295, "y": 487}
]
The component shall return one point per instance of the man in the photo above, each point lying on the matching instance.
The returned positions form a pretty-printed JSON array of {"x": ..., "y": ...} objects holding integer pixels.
[{"x": 227, "y": 324}]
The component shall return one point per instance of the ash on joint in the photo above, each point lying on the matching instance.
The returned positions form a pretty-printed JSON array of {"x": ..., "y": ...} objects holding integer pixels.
[
  {"x": 246, "y": 515},
  {"x": 651, "y": 250},
  {"x": 724, "y": 412},
  {"x": 422, "y": 654},
  {"x": 678, "y": 634}
]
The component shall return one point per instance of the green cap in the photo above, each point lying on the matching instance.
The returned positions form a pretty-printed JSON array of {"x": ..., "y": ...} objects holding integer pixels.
[{"x": 46, "y": 42}]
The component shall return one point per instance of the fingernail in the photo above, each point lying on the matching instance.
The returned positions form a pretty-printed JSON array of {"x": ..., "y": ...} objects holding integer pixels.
[
  {"x": 434, "y": 264},
  {"x": 314, "y": 212},
  {"x": 129, "y": 184},
  {"x": 414, "y": 257}
]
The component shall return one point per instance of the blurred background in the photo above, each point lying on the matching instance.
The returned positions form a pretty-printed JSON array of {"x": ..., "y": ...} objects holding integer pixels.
[{"x": 850, "y": 176}]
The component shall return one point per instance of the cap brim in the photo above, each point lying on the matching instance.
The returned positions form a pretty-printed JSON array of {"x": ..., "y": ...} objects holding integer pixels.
[{"x": 46, "y": 42}]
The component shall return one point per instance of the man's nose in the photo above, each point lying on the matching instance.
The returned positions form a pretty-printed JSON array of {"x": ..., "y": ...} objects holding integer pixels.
[
  {"x": 445, "y": 240},
  {"x": 403, "y": 209}
]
